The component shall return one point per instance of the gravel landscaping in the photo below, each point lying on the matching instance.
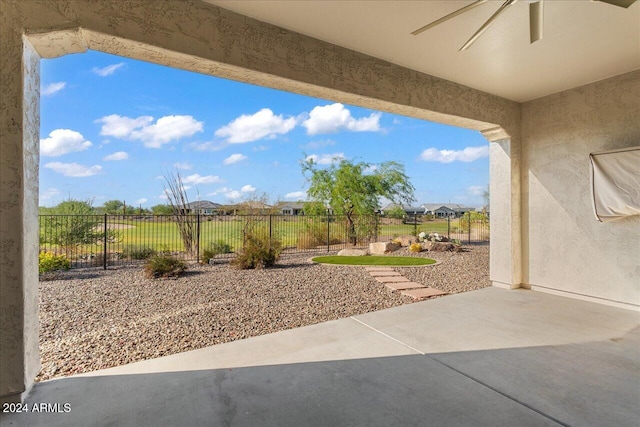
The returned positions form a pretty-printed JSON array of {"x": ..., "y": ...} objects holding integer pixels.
[{"x": 92, "y": 319}]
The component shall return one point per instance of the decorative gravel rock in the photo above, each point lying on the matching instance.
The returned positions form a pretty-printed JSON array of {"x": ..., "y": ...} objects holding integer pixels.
[{"x": 93, "y": 319}]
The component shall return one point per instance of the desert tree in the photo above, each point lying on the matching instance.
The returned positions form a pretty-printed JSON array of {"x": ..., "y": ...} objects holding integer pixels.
[{"x": 355, "y": 189}]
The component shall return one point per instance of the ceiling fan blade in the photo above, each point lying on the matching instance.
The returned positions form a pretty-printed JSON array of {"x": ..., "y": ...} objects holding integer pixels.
[
  {"x": 536, "y": 20},
  {"x": 486, "y": 25},
  {"x": 449, "y": 16},
  {"x": 621, "y": 3}
]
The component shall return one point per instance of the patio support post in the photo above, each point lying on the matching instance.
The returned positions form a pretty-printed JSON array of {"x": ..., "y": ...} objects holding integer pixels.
[
  {"x": 506, "y": 219},
  {"x": 19, "y": 157}
]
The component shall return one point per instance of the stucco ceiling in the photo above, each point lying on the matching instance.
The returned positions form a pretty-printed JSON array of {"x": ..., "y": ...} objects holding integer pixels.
[{"x": 584, "y": 41}]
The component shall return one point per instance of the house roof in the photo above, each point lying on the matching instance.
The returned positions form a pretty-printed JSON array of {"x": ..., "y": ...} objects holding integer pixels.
[
  {"x": 501, "y": 62},
  {"x": 452, "y": 206},
  {"x": 293, "y": 205},
  {"x": 203, "y": 204}
]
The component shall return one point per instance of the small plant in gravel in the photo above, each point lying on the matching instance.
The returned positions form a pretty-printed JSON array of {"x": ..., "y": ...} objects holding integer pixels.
[
  {"x": 163, "y": 266},
  {"x": 216, "y": 248},
  {"x": 138, "y": 252},
  {"x": 259, "y": 251},
  {"x": 415, "y": 247},
  {"x": 48, "y": 262}
]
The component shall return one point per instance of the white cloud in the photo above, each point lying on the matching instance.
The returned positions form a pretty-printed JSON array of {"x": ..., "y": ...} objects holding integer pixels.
[
  {"x": 227, "y": 192},
  {"x": 167, "y": 129},
  {"x": 52, "y": 88},
  {"x": 296, "y": 195},
  {"x": 208, "y": 146},
  {"x": 263, "y": 124},
  {"x": 325, "y": 159},
  {"x": 163, "y": 131},
  {"x": 118, "y": 155},
  {"x": 141, "y": 201},
  {"x": 314, "y": 145},
  {"x": 108, "y": 70},
  {"x": 334, "y": 118},
  {"x": 183, "y": 166},
  {"x": 248, "y": 189},
  {"x": 63, "y": 141},
  {"x": 196, "y": 179},
  {"x": 234, "y": 158},
  {"x": 468, "y": 154},
  {"x": 476, "y": 190},
  {"x": 235, "y": 194},
  {"x": 49, "y": 193},
  {"x": 121, "y": 127},
  {"x": 74, "y": 170}
]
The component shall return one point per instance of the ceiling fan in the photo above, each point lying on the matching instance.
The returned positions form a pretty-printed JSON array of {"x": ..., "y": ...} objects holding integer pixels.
[{"x": 535, "y": 18}]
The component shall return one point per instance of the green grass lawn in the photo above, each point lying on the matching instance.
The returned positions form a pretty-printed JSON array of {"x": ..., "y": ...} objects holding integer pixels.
[{"x": 373, "y": 260}]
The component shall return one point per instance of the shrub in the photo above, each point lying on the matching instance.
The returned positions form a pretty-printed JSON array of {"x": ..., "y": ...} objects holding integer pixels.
[
  {"x": 138, "y": 252},
  {"x": 259, "y": 251},
  {"x": 416, "y": 247},
  {"x": 163, "y": 266},
  {"x": 215, "y": 248},
  {"x": 315, "y": 234},
  {"x": 48, "y": 262}
]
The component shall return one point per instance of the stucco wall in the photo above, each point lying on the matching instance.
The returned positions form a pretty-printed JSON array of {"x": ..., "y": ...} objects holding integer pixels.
[{"x": 565, "y": 247}]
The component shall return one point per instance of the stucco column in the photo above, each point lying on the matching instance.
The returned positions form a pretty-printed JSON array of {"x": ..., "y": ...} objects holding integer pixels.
[
  {"x": 506, "y": 218},
  {"x": 19, "y": 139}
]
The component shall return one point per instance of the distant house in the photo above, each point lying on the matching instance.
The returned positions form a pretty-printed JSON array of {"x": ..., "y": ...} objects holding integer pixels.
[
  {"x": 203, "y": 207},
  {"x": 291, "y": 208},
  {"x": 444, "y": 210},
  {"x": 249, "y": 207},
  {"x": 408, "y": 210}
]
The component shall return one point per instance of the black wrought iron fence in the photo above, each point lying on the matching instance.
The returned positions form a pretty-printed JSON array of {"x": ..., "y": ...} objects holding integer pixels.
[{"x": 103, "y": 240}]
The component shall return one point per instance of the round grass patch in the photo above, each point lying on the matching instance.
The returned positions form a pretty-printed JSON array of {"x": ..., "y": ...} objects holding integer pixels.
[{"x": 389, "y": 261}]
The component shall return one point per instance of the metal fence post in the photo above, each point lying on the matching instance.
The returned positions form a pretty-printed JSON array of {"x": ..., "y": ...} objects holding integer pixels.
[
  {"x": 198, "y": 237},
  {"x": 415, "y": 223},
  {"x": 448, "y": 227},
  {"x": 270, "y": 230},
  {"x": 469, "y": 238},
  {"x": 104, "y": 244},
  {"x": 328, "y": 234}
]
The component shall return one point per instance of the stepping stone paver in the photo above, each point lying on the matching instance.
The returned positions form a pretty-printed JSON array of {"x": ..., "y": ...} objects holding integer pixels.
[
  {"x": 403, "y": 286},
  {"x": 378, "y": 269},
  {"x": 423, "y": 293},
  {"x": 392, "y": 279},
  {"x": 384, "y": 273}
]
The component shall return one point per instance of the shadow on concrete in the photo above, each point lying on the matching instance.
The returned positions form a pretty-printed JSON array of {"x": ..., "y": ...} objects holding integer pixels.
[{"x": 592, "y": 383}]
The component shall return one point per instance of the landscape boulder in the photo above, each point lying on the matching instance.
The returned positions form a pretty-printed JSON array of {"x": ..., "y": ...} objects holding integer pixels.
[
  {"x": 406, "y": 240},
  {"x": 380, "y": 248},
  {"x": 353, "y": 252},
  {"x": 441, "y": 247}
]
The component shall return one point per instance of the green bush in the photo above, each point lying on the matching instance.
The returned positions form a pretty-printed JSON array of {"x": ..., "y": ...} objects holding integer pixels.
[
  {"x": 259, "y": 251},
  {"x": 163, "y": 266},
  {"x": 48, "y": 262},
  {"x": 216, "y": 248},
  {"x": 138, "y": 252}
]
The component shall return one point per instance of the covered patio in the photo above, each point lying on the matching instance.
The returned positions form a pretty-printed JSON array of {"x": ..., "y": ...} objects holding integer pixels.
[
  {"x": 554, "y": 342},
  {"x": 483, "y": 358}
]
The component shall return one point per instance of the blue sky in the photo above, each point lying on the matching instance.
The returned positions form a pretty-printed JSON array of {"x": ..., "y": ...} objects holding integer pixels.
[{"x": 111, "y": 127}]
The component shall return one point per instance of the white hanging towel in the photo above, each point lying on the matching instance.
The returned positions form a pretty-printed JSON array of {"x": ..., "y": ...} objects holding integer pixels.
[{"x": 615, "y": 183}]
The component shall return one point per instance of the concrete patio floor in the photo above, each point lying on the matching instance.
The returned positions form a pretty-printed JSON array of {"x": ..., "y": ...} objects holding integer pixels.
[{"x": 485, "y": 358}]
